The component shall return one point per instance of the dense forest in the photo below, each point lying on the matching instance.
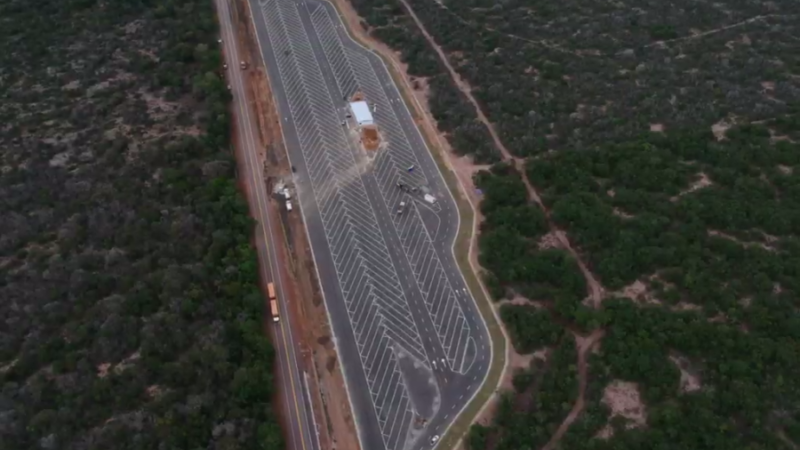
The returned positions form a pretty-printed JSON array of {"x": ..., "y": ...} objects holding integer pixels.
[
  {"x": 131, "y": 315},
  {"x": 695, "y": 240},
  {"x": 664, "y": 140},
  {"x": 578, "y": 73}
]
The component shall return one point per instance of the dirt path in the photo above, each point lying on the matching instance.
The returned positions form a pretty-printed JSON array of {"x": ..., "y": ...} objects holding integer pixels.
[
  {"x": 463, "y": 86},
  {"x": 595, "y": 288},
  {"x": 585, "y": 345}
]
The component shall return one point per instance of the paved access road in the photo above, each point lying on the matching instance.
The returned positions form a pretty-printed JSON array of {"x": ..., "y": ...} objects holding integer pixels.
[
  {"x": 410, "y": 338},
  {"x": 301, "y": 434}
]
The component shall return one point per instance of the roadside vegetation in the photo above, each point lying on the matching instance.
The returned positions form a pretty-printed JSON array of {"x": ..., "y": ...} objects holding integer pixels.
[
  {"x": 132, "y": 317},
  {"x": 642, "y": 244},
  {"x": 386, "y": 21}
]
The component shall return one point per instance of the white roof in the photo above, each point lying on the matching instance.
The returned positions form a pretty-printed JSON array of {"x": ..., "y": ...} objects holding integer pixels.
[{"x": 362, "y": 113}]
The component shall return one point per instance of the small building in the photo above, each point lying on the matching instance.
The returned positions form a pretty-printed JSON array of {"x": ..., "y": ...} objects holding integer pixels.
[{"x": 361, "y": 113}]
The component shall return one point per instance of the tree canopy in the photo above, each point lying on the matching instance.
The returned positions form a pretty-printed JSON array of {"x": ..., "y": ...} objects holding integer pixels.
[
  {"x": 131, "y": 310},
  {"x": 663, "y": 140}
]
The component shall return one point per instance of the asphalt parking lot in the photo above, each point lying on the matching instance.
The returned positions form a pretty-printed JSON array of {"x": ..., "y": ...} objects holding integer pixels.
[{"x": 409, "y": 336}]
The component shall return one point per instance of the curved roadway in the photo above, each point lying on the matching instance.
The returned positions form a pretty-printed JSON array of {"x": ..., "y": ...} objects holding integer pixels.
[{"x": 412, "y": 343}]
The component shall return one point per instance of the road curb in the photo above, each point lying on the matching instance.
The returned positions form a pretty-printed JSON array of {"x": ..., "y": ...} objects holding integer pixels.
[{"x": 442, "y": 160}]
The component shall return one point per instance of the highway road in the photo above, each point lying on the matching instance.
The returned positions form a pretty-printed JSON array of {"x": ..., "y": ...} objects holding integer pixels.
[
  {"x": 301, "y": 433},
  {"x": 411, "y": 341}
]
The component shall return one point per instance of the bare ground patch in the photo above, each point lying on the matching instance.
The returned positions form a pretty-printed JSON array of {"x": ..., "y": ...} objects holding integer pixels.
[
  {"x": 623, "y": 399},
  {"x": 690, "y": 378}
]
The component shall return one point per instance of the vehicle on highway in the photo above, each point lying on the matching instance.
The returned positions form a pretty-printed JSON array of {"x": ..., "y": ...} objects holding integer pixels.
[
  {"x": 219, "y": 41},
  {"x": 430, "y": 199},
  {"x": 435, "y": 439},
  {"x": 243, "y": 65},
  {"x": 273, "y": 301},
  {"x": 224, "y": 66},
  {"x": 286, "y": 194},
  {"x": 273, "y": 306},
  {"x": 288, "y": 205},
  {"x": 401, "y": 207}
]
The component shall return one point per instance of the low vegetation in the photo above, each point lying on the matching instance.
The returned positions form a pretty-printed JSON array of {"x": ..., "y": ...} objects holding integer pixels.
[
  {"x": 663, "y": 142},
  {"x": 386, "y": 21},
  {"x": 131, "y": 310}
]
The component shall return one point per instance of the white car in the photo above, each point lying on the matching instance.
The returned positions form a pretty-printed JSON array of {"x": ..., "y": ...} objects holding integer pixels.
[
  {"x": 288, "y": 205},
  {"x": 219, "y": 41},
  {"x": 435, "y": 439},
  {"x": 286, "y": 194}
]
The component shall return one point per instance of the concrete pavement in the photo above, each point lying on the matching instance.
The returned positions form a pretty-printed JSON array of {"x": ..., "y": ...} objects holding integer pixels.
[{"x": 412, "y": 343}]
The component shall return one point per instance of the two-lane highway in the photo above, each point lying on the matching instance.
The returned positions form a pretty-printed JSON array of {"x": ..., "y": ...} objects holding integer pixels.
[{"x": 301, "y": 433}]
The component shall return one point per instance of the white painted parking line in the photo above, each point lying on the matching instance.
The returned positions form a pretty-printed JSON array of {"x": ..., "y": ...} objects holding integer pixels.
[
  {"x": 352, "y": 70},
  {"x": 360, "y": 254}
]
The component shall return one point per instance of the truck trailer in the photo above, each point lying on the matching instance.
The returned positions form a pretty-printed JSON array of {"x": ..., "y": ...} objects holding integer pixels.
[
  {"x": 273, "y": 306},
  {"x": 273, "y": 302}
]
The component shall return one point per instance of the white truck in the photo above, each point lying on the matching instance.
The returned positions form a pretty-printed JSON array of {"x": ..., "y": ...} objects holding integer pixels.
[{"x": 429, "y": 198}]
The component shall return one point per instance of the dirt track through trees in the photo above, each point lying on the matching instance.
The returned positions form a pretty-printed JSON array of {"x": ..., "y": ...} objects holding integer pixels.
[{"x": 595, "y": 288}]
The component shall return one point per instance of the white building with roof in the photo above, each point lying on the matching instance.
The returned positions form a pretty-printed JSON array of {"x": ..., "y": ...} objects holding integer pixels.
[{"x": 361, "y": 113}]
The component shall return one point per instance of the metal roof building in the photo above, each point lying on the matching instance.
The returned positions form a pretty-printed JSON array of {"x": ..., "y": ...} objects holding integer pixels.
[{"x": 361, "y": 113}]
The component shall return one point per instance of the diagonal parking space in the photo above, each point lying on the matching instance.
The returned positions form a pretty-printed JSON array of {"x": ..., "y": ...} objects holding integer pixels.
[
  {"x": 379, "y": 313},
  {"x": 353, "y": 72}
]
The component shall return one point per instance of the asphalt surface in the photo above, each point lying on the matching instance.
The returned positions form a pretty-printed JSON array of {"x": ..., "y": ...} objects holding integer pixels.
[
  {"x": 411, "y": 341},
  {"x": 301, "y": 433}
]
